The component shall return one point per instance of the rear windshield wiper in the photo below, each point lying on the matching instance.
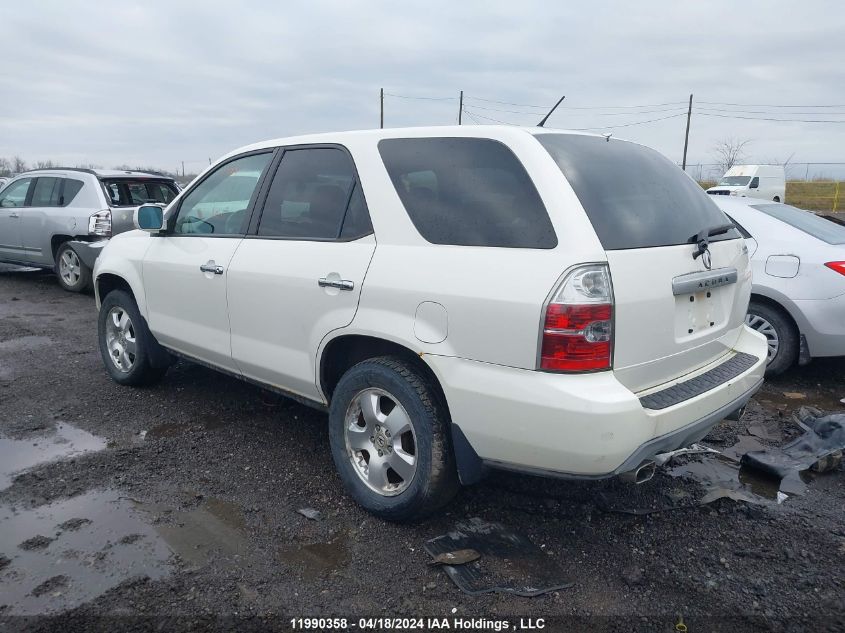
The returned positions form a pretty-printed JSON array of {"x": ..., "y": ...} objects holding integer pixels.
[
  {"x": 702, "y": 238},
  {"x": 703, "y": 234}
]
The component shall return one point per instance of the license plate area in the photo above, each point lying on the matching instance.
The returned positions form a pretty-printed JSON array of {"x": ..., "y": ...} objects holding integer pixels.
[{"x": 702, "y": 302}]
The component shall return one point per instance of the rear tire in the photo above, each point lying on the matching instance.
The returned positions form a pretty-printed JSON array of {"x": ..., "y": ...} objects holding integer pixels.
[
  {"x": 73, "y": 274},
  {"x": 126, "y": 341},
  {"x": 776, "y": 199},
  {"x": 780, "y": 334},
  {"x": 401, "y": 475}
]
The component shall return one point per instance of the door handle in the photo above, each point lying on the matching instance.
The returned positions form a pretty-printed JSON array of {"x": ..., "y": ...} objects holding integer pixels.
[
  {"x": 340, "y": 284},
  {"x": 211, "y": 267},
  {"x": 14, "y": 214}
]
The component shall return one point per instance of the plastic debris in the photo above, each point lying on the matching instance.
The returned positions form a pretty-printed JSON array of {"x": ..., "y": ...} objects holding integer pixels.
[
  {"x": 458, "y": 557},
  {"x": 508, "y": 563},
  {"x": 310, "y": 513},
  {"x": 819, "y": 448}
]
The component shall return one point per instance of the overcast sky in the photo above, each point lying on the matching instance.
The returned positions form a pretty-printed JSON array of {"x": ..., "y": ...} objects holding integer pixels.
[{"x": 156, "y": 83}]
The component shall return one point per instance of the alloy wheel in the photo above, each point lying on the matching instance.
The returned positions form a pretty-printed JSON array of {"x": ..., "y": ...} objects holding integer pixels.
[
  {"x": 70, "y": 268},
  {"x": 380, "y": 441},
  {"x": 120, "y": 339}
]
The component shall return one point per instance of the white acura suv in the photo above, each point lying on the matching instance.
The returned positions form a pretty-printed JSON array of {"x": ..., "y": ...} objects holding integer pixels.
[{"x": 456, "y": 298}]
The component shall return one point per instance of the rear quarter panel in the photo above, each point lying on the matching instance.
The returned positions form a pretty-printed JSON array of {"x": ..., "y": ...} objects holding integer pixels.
[{"x": 493, "y": 297}]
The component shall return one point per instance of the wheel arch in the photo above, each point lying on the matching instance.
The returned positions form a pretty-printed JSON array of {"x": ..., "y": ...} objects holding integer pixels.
[
  {"x": 777, "y": 305},
  {"x": 56, "y": 241},
  {"x": 342, "y": 352}
]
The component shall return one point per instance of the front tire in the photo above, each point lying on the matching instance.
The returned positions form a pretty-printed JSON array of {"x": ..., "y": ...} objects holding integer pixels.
[
  {"x": 390, "y": 440},
  {"x": 125, "y": 341},
  {"x": 73, "y": 274},
  {"x": 780, "y": 334}
]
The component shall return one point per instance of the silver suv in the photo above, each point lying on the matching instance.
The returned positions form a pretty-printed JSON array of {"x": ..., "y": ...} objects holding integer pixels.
[{"x": 61, "y": 218}]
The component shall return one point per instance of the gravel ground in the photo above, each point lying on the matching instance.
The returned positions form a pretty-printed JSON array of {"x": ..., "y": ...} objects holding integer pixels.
[{"x": 180, "y": 501}]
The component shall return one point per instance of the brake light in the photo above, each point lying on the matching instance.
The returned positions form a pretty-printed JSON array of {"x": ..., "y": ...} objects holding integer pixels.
[
  {"x": 578, "y": 322},
  {"x": 837, "y": 266},
  {"x": 100, "y": 223}
]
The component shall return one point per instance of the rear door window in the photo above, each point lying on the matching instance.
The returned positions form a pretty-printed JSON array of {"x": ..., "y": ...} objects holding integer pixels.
[
  {"x": 467, "y": 192},
  {"x": 820, "y": 228},
  {"x": 129, "y": 192},
  {"x": 634, "y": 196},
  {"x": 46, "y": 192},
  {"x": 315, "y": 196}
]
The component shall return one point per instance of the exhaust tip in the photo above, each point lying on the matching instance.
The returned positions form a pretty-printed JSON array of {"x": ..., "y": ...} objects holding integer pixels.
[{"x": 641, "y": 474}]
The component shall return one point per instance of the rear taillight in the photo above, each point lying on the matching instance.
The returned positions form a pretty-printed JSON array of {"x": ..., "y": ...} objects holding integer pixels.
[
  {"x": 837, "y": 266},
  {"x": 100, "y": 223},
  {"x": 578, "y": 322}
]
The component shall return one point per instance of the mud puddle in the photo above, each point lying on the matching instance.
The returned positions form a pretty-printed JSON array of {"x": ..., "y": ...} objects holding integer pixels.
[
  {"x": 66, "y": 441},
  {"x": 317, "y": 559},
  {"x": 61, "y": 555},
  {"x": 211, "y": 533}
]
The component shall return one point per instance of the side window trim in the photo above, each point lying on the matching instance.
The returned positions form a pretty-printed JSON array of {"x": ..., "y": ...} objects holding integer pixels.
[
  {"x": 170, "y": 220},
  {"x": 252, "y": 231}
]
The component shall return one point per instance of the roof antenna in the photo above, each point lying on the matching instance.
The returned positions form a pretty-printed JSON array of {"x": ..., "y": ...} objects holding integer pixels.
[
  {"x": 607, "y": 136},
  {"x": 546, "y": 118}
]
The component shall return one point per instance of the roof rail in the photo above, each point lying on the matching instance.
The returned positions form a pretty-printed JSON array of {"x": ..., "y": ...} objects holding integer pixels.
[{"x": 79, "y": 169}]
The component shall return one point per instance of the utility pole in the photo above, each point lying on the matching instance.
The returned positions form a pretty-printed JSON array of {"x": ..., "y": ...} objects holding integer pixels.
[
  {"x": 183, "y": 169},
  {"x": 381, "y": 100},
  {"x": 460, "y": 107},
  {"x": 686, "y": 136}
]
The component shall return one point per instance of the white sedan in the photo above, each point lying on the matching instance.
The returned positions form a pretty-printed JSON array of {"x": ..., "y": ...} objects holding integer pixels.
[{"x": 798, "y": 294}]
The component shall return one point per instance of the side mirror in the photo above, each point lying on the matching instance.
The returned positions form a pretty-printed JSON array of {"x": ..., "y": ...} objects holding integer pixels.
[{"x": 149, "y": 218}]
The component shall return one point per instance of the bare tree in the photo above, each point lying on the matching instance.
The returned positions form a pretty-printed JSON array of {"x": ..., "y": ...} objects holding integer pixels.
[
  {"x": 729, "y": 152},
  {"x": 5, "y": 166},
  {"x": 45, "y": 164},
  {"x": 18, "y": 165}
]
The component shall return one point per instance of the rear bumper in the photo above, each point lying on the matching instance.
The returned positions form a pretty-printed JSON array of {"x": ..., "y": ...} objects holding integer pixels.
[
  {"x": 585, "y": 426},
  {"x": 88, "y": 251}
]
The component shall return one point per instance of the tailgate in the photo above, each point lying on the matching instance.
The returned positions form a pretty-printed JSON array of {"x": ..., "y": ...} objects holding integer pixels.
[{"x": 672, "y": 315}]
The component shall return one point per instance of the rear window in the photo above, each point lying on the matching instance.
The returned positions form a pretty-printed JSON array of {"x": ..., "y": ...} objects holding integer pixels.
[
  {"x": 634, "y": 196},
  {"x": 132, "y": 192},
  {"x": 820, "y": 228},
  {"x": 467, "y": 192}
]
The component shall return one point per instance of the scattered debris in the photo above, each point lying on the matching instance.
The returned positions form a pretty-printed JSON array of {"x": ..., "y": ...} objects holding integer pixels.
[
  {"x": 310, "y": 513},
  {"x": 794, "y": 395},
  {"x": 664, "y": 458},
  {"x": 819, "y": 448},
  {"x": 508, "y": 563},
  {"x": 458, "y": 557},
  {"x": 5, "y": 561},
  {"x": 769, "y": 431}
]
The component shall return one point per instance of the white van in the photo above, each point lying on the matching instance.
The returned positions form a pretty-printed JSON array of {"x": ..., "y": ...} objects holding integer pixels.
[{"x": 753, "y": 181}]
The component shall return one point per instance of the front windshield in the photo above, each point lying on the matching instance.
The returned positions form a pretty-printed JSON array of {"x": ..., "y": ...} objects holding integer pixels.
[{"x": 735, "y": 181}]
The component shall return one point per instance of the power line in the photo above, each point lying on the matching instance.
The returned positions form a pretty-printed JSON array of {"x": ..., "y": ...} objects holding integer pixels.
[
  {"x": 755, "y": 118},
  {"x": 763, "y": 105},
  {"x": 488, "y": 118},
  {"x": 390, "y": 94},
  {"x": 674, "y": 109},
  {"x": 519, "y": 105},
  {"x": 607, "y": 127},
  {"x": 765, "y": 112}
]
